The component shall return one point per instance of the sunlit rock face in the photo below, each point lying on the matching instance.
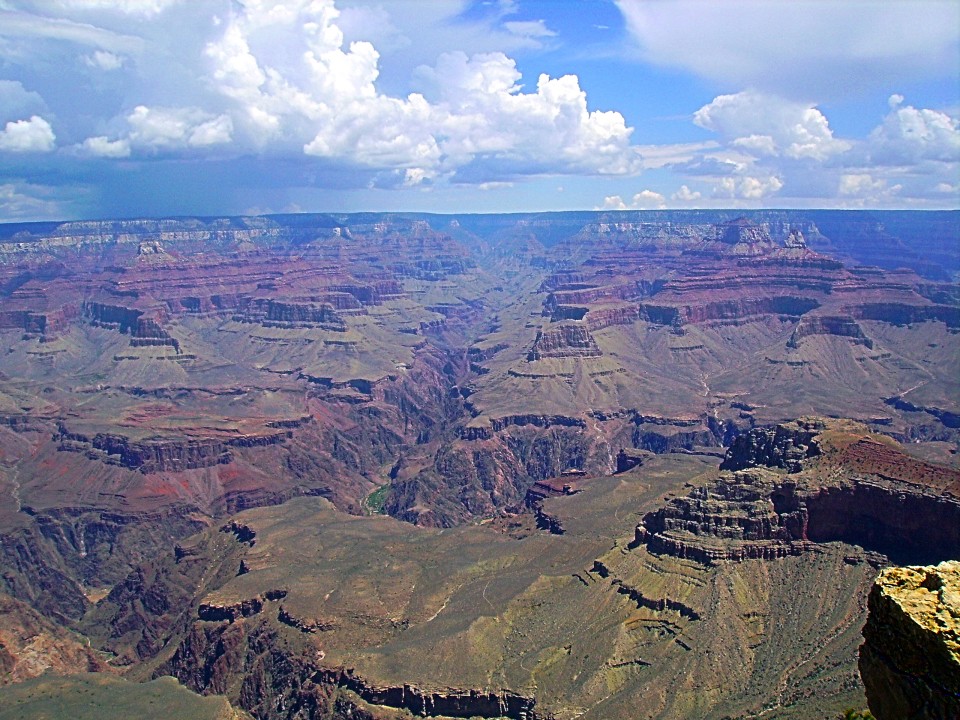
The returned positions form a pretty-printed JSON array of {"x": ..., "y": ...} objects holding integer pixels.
[{"x": 910, "y": 660}]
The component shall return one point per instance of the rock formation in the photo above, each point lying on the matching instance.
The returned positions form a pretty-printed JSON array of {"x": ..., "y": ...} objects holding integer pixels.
[
  {"x": 910, "y": 660},
  {"x": 161, "y": 375},
  {"x": 840, "y": 484}
]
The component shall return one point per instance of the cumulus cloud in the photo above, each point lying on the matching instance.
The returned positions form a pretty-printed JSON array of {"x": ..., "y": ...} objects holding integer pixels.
[
  {"x": 801, "y": 48},
  {"x": 685, "y": 195},
  {"x": 484, "y": 114},
  {"x": 763, "y": 124},
  {"x": 177, "y": 127},
  {"x": 909, "y": 135},
  {"x": 771, "y": 146},
  {"x": 747, "y": 188},
  {"x": 370, "y": 95},
  {"x": 27, "y": 136},
  {"x": 865, "y": 190},
  {"x": 102, "y": 146},
  {"x": 860, "y": 185},
  {"x": 643, "y": 200},
  {"x": 322, "y": 90}
]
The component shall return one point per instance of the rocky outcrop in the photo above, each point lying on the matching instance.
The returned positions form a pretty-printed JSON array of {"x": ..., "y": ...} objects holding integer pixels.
[
  {"x": 47, "y": 323},
  {"x": 31, "y": 644},
  {"x": 629, "y": 458},
  {"x": 562, "y": 341},
  {"x": 281, "y": 683},
  {"x": 446, "y": 703},
  {"x": 213, "y": 611},
  {"x": 866, "y": 493},
  {"x": 600, "y": 318},
  {"x": 276, "y": 313},
  {"x": 144, "y": 330},
  {"x": 839, "y": 325},
  {"x": 543, "y": 489},
  {"x": 905, "y": 314},
  {"x": 750, "y": 514},
  {"x": 154, "y": 455},
  {"x": 910, "y": 660},
  {"x": 742, "y": 232},
  {"x": 784, "y": 446},
  {"x": 906, "y": 523},
  {"x": 304, "y": 625},
  {"x": 731, "y": 519}
]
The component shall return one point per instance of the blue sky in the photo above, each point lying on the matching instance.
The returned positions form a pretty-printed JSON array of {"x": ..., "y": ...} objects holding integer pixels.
[{"x": 180, "y": 107}]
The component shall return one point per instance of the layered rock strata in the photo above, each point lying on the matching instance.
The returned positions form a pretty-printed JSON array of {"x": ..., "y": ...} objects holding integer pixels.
[{"x": 839, "y": 485}]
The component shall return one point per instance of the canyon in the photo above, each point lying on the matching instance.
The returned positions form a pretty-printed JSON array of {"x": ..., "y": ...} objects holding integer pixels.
[{"x": 306, "y": 461}]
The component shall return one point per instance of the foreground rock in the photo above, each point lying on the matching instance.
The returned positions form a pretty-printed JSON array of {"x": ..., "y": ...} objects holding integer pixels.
[{"x": 910, "y": 662}]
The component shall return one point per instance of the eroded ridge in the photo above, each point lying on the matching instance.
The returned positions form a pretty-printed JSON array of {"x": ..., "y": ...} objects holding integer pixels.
[{"x": 810, "y": 482}]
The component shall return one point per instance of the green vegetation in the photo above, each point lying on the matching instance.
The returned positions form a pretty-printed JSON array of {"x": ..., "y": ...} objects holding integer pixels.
[
  {"x": 851, "y": 714},
  {"x": 375, "y": 501}
]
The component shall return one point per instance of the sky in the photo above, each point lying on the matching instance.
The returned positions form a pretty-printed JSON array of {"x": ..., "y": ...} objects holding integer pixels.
[{"x": 129, "y": 108}]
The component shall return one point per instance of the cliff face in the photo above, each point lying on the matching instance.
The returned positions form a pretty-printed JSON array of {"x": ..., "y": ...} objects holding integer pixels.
[
  {"x": 782, "y": 446},
  {"x": 829, "y": 325},
  {"x": 854, "y": 489},
  {"x": 566, "y": 340},
  {"x": 910, "y": 660}
]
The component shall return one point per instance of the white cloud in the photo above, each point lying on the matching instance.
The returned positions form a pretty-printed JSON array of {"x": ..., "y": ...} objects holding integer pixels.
[
  {"x": 643, "y": 200},
  {"x": 767, "y": 125},
  {"x": 865, "y": 190},
  {"x": 648, "y": 199},
  {"x": 800, "y": 48},
  {"x": 860, "y": 185},
  {"x": 684, "y": 194},
  {"x": 771, "y": 146},
  {"x": 212, "y": 132},
  {"x": 31, "y": 27},
  {"x": 102, "y": 146},
  {"x": 23, "y": 201},
  {"x": 322, "y": 91},
  {"x": 485, "y": 114},
  {"x": 23, "y": 136},
  {"x": 658, "y": 156},
  {"x": 613, "y": 202},
  {"x": 145, "y": 8},
  {"x": 535, "y": 31},
  {"x": 103, "y": 60},
  {"x": 747, "y": 187},
  {"x": 909, "y": 135},
  {"x": 757, "y": 144},
  {"x": 177, "y": 127}
]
